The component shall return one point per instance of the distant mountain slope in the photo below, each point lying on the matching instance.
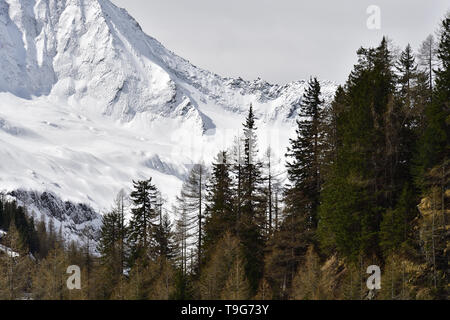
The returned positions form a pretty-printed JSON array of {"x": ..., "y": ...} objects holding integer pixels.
[{"x": 89, "y": 102}]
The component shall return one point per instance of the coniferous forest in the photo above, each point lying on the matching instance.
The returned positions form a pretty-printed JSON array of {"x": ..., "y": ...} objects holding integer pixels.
[{"x": 368, "y": 184}]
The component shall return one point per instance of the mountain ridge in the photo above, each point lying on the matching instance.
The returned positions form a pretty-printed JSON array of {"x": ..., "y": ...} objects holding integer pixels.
[{"x": 89, "y": 102}]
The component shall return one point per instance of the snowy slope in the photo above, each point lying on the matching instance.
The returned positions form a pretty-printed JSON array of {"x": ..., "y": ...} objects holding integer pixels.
[{"x": 89, "y": 102}]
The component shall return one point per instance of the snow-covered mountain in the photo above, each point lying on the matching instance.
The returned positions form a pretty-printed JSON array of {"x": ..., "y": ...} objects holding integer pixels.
[{"x": 89, "y": 102}]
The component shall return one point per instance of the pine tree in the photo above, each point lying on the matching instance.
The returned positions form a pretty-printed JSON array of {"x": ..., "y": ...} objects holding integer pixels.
[
  {"x": 253, "y": 206},
  {"x": 296, "y": 231},
  {"x": 405, "y": 119},
  {"x": 302, "y": 195},
  {"x": 111, "y": 246},
  {"x": 332, "y": 136},
  {"x": 220, "y": 214},
  {"x": 406, "y": 67},
  {"x": 143, "y": 219},
  {"x": 438, "y": 118},
  {"x": 361, "y": 183},
  {"x": 165, "y": 238},
  {"x": 109, "y": 239},
  {"x": 251, "y": 169},
  {"x": 396, "y": 226}
]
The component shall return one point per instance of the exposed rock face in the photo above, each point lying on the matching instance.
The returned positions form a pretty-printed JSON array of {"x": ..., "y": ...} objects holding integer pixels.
[{"x": 78, "y": 222}]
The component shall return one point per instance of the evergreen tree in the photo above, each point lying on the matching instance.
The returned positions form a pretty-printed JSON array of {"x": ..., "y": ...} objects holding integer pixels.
[
  {"x": 251, "y": 169},
  {"x": 144, "y": 216},
  {"x": 362, "y": 183},
  {"x": 406, "y": 67},
  {"x": 165, "y": 238},
  {"x": 111, "y": 246},
  {"x": 220, "y": 214},
  {"x": 253, "y": 205},
  {"x": 305, "y": 155}
]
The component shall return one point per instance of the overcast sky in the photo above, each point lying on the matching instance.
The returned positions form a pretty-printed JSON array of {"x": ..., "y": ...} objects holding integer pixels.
[{"x": 281, "y": 40}]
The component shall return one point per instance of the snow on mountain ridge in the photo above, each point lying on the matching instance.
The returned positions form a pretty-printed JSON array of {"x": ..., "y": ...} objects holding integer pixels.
[
  {"x": 89, "y": 102},
  {"x": 90, "y": 49}
]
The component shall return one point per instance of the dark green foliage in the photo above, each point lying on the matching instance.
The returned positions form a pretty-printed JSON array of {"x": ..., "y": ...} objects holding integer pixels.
[
  {"x": 183, "y": 287},
  {"x": 144, "y": 217},
  {"x": 111, "y": 242},
  {"x": 165, "y": 238},
  {"x": 354, "y": 196},
  {"x": 304, "y": 154},
  {"x": 220, "y": 216},
  {"x": 252, "y": 209},
  {"x": 11, "y": 213},
  {"x": 396, "y": 228}
]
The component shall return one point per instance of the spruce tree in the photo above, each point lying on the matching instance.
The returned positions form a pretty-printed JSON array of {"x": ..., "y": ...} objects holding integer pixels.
[
  {"x": 253, "y": 207},
  {"x": 296, "y": 232},
  {"x": 304, "y": 154},
  {"x": 220, "y": 214},
  {"x": 251, "y": 169},
  {"x": 165, "y": 238},
  {"x": 111, "y": 245},
  {"x": 361, "y": 184},
  {"x": 406, "y": 67},
  {"x": 144, "y": 216},
  {"x": 192, "y": 199}
]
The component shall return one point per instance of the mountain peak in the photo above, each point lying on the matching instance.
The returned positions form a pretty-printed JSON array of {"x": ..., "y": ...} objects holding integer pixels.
[{"x": 88, "y": 97}]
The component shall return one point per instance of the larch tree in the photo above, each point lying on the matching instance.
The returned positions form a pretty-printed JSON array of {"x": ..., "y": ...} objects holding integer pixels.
[{"x": 192, "y": 198}]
